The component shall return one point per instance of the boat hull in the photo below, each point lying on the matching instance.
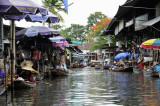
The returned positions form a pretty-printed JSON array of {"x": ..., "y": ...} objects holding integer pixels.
[
  {"x": 136, "y": 70},
  {"x": 106, "y": 67},
  {"x": 2, "y": 89},
  {"x": 130, "y": 69},
  {"x": 20, "y": 84},
  {"x": 57, "y": 73}
]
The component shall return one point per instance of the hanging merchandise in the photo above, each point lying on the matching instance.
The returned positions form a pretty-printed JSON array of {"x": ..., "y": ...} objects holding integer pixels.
[
  {"x": 25, "y": 54},
  {"x": 37, "y": 54}
]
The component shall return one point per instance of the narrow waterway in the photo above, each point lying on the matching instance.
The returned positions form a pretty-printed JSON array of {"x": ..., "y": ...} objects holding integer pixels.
[{"x": 90, "y": 87}]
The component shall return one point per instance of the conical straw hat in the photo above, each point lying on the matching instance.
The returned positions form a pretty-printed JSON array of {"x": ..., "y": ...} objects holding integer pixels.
[
  {"x": 155, "y": 63},
  {"x": 27, "y": 65}
]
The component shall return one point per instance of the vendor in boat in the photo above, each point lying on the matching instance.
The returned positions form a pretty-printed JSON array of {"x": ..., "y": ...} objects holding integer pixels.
[
  {"x": 140, "y": 63},
  {"x": 146, "y": 65},
  {"x": 61, "y": 67},
  {"x": 107, "y": 63},
  {"x": 121, "y": 63},
  {"x": 156, "y": 66},
  {"x": 28, "y": 73}
]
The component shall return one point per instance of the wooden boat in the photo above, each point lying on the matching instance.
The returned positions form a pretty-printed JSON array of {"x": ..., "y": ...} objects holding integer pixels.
[
  {"x": 136, "y": 70},
  {"x": 154, "y": 74},
  {"x": 106, "y": 67},
  {"x": 58, "y": 72},
  {"x": 122, "y": 69},
  {"x": 146, "y": 73},
  {"x": 20, "y": 83},
  {"x": 97, "y": 66},
  {"x": 2, "y": 89},
  {"x": 40, "y": 77}
]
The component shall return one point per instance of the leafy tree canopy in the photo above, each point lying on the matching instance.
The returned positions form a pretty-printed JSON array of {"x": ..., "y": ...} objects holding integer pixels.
[
  {"x": 57, "y": 27},
  {"x": 74, "y": 32},
  {"x": 94, "y": 34},
  {"x": 93, "y": 18}
]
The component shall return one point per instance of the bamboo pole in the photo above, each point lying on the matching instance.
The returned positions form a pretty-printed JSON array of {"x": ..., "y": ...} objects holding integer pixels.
[
  {"x": 12, "y": 55},
  {"x": 150, "y": 64},
  {"x": 2, "y": 35}
]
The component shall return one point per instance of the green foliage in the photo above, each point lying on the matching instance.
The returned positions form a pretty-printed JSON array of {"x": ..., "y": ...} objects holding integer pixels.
[
  {"x": 57, "y": 27},
  {"x": 93, "y": 18},
  {"x": 99, "y": 43},
  {"x": 74, "y": 32},
  {"x": 94, "y": 35}
]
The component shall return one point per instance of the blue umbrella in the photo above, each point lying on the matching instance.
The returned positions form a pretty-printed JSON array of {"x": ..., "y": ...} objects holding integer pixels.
[
  {"x": 136, "y": 55},
  {"x": 36, "y": 31},
  {"x": 20, "y": 7},
  {"x": 122, "y": 55}
]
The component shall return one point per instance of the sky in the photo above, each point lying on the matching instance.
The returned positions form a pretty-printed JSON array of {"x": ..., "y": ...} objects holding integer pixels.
[{"x": 80, "y": 10}]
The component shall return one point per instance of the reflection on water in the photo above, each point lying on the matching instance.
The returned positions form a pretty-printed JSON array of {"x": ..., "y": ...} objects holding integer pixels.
[{"x": 90, "y": 87}]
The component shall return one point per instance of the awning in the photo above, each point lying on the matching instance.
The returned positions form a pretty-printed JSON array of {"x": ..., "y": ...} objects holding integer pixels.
[
  {"x": 6, "y": 41},
  {"x": 77, "y": 49},
  {"x": 75, "y": 42},
  {"x": 151, "y": 22}
]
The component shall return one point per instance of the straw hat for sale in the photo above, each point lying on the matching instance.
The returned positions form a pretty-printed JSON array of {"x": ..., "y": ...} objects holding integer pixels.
[
  {"x": 155, "y": 63},
  {"x": 139, "y": 60},
  {"x": 27, "y": 65}
]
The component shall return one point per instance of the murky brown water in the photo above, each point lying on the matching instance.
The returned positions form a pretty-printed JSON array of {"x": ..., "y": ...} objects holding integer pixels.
[{"x": 90, "y": 87}]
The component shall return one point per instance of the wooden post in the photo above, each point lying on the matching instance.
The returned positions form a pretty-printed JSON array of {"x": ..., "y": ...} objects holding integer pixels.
[
  {"x": 12, "y": 55},
  {"x": 4, "y": 60},
  {"x": 1, "y": 37},
  {"x": 150, "y": 64}
]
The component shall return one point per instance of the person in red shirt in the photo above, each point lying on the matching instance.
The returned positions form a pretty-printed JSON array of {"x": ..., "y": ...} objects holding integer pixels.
[{"x": 140, "y": 64}]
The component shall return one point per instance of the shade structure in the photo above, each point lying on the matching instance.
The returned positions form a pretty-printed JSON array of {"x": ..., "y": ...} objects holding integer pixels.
[
  {"x": 122, "y": 55},
  {"x": 36, "y": 31},
  {"x": 136, "y": 55},
  {"x": 50, "y": 18},
  {"x": 20, "y": 7},
  {"x": 57, "y": 39},
  {"x": 61, "y": 44},
  {"x": 151, "y": 44},
  {"x": 147, "y": 44},
  {"x": 12, "y": 7}
]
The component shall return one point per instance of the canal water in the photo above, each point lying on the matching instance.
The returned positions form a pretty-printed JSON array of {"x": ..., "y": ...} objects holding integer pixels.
[{"x": 90, "y": 87}]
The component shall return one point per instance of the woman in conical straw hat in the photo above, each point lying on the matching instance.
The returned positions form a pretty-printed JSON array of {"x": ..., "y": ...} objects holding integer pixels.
[{"x": 27, "y": 70}]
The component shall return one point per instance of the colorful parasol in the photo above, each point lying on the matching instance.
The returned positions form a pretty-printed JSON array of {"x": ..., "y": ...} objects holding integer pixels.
[{"x": 151, "y": 44}]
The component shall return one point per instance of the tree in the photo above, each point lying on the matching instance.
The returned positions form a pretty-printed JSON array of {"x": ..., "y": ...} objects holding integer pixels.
[
  {"x": 94, "y": 35},
  {"x": 55, "y": 6},
  {"x": 57, "y": 27},
  {"x": 74, "y": 32},
  {"x": 93, "y": 18}
]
